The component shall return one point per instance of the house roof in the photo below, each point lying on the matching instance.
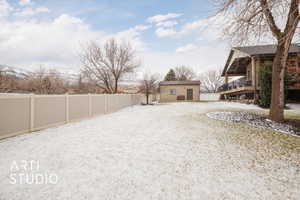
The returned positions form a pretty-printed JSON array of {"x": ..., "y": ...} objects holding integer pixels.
[
  {"x": 258, "y": 50},
  {"x": 164, "y": 83},
  {"x": 238, "y": 66},
  {"x": 265, "y": 49}
]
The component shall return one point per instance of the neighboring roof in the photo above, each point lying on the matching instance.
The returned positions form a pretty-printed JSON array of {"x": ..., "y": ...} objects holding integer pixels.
[
  {"x": 179, "y": 83},
  {"x": 265, "y": 49}
]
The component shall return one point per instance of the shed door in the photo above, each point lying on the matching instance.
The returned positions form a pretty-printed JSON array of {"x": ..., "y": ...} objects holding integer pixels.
[{"x": 189, "y": 94}]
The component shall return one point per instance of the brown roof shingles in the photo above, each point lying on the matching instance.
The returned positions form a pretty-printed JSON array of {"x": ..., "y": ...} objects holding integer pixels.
[
  {"x": 179, "y": 83},
  {"x": 265, "y": 49}
]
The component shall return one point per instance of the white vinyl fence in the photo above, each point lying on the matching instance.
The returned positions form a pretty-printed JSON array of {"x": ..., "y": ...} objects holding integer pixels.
[
  {"x": 209, "y": 96},
  {"x": 26, "y": 113}
]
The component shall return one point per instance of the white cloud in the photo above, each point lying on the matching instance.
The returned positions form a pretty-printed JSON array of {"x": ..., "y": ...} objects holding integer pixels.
[
  {"x": 160, "y": 18},
  {"x": 167, "y": 23},
  {"x": 5, "y": 8},
  {"x": 208, "y": 53},
  {"x": 25, "y": 2},
  {"x": 131, "y": 35},
  {"x": 208, "y": 29},
  {"x": 201, "y": 59},
  {"x": 141, "y": 27},
  {"x": 28, "y": 11},
  {"x": 53, "y": 43},
  {"x": 186, "y": 48},
  {"x": 42, "y": 10},
  {"x": 56, "y": 42},
  {"x": 199, "y": 24},
  {"x": 162, "y": 32},
  {"x": 65, "y": 20}
]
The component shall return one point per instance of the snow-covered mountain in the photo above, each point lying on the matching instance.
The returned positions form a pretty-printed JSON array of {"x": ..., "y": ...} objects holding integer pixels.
[{"x": 14, "y": 71}]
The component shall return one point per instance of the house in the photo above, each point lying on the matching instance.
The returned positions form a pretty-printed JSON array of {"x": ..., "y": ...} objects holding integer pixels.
[
  {"x": 243, "y": 65},
  {"x": 173, "y": 91}
]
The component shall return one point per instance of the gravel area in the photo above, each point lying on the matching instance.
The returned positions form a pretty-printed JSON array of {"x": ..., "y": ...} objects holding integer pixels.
[
  {"x": 256, "y": 120},
  {"x": 164, "y": 151}
]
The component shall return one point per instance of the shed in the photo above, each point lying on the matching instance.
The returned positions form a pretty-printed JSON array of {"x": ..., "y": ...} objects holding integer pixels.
[{"x": 177, "y": 91}]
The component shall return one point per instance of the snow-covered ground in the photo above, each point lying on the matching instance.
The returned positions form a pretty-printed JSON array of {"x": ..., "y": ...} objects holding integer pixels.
[
  {"x": 165, "y": 151},
  {"x": 294, "y": 108}
]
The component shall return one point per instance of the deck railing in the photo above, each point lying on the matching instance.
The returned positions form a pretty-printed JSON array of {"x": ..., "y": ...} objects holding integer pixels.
[{"x": 242, "y": 82}]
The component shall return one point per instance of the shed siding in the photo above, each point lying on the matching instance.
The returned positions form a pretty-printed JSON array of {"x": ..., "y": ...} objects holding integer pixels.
[{"x": 181, "y": 90}]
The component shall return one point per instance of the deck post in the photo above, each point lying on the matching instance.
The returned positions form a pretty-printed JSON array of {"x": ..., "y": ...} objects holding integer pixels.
[
  {"x": 226, "y": 78},
  {"x": 254, "y": 78}
]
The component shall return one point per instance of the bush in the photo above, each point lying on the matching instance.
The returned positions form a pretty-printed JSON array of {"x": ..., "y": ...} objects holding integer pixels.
[{"x": 265, "y": 77}]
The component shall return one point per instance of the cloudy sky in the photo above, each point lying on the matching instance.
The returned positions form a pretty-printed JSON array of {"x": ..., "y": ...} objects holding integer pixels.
[{"x": 165, "y": 33}]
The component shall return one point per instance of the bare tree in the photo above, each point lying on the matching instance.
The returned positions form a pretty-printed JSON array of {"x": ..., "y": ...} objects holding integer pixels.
[
  {"x": 7, "y": 83},
  {"x": 258, "y": 18},
  {"x": 43, "y": 81},
  {"x": 149, "y": 84},
  {"x": 83, "y": 85},
  {"x": 184, "y": 73},
  {"x": 36, "y": 81},
  {"x": 211, "y": 80},
  {"x": 106, "y": 65}
]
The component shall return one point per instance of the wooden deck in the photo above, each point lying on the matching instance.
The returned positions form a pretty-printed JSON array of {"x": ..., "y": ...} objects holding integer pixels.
[
  {"x": 248, "y": 89},
  {"x": 294, "y": 87},
  {"x": 239, "y": 90}
]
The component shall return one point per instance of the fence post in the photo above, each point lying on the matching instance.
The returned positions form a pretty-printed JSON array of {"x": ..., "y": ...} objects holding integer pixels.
[
  {"x": 90, "y": 105},
  {"x": 105, "y": 103},
  {"x": 32, "y": 112},
  {"x": 133, "y": 99},
  {"x": 117, "y": 102},
  {"x": 67, "y": 108}
]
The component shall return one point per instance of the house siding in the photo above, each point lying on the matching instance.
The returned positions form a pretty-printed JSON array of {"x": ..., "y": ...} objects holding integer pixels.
[{"x": 293, "y": 68}]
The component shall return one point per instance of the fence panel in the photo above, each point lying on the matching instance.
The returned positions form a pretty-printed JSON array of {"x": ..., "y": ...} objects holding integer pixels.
[
  {"x": 209, "y": 97},
  {"x": 14, "y": 115},
  {"x": 49, "y": 110},
  {"x": 78, "y": 107},
  {"x": 111, "y": 103},
  {"x": 137, "y": 99},
  {"x": 125, "y": 100},
  {"x": 98, "y": 104},
  {"x": 128, "y": 100},
  {"x": 25, "y": 113}
]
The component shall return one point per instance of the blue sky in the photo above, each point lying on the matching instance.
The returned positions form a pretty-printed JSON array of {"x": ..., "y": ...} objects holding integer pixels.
[
  {"x": 116, "y": 15},
  {"x": 165, "y": 33}
]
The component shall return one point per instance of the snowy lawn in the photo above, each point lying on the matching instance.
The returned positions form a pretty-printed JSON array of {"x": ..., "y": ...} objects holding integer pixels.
[{"x": 166, "y": 151}]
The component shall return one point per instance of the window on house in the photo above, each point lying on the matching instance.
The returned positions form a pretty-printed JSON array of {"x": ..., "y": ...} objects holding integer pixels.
[{"x": 172, "y": 91}]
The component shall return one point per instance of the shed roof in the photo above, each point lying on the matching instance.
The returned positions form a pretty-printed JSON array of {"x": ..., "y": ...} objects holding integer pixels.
[{"x": 179, "y": 83}]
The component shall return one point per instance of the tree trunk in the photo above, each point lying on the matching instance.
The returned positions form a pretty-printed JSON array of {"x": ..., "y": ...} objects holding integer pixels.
[
  {"x": 116, "y": 86},
  {"x": 277, "y": 98},
  {"x": 147, "y": 98}
]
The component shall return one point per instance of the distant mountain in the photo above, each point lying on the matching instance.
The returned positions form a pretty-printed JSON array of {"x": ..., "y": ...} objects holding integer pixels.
[{"x": 15, "y": 72}]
